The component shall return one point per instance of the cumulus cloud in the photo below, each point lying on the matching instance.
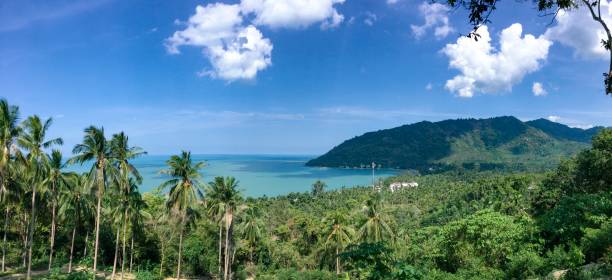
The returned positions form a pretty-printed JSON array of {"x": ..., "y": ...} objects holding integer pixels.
[
  {"x": 235, "y": 52},
  {"x": 428, "y": 87},
  {"x": 554, "y": 118},
  {"x": 236, "y": 49},
  {"x": 578, "y": 30},
  {"x": 538, "y": 89},
  {"x": 293, "y": 13},
  {"x": 391, "y": 2},
  {"x": 436, "y": 18},
  {"x": 242, "y": 57},
  {"x": 485, "y": 69},
  {"x": 209, "y": 26}
]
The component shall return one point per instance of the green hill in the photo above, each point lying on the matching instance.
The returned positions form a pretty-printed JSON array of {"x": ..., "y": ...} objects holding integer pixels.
[{"x": 494, "y": 143}]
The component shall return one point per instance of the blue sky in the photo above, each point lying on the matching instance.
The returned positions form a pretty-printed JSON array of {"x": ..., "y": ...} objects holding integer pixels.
[{"x": 274, "y": 77}]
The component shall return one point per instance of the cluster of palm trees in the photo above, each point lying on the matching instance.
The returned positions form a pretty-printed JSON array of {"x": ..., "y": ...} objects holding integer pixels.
[
  {"x": 34, "y": 175},
  {"x": 373, "y": 229},
  {"x": 223, "y": 201},
  {"x": 32, "y": 178}
]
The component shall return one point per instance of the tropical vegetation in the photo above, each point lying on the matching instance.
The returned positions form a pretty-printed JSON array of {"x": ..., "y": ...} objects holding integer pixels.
[{"x": 459, "y": 224}]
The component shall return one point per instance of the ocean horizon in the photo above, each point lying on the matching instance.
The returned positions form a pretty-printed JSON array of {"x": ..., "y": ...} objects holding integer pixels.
[{"x": 258, "y": 174}]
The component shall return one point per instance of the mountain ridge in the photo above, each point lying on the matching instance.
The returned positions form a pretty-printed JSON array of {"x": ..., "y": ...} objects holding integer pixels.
[{"x": 490, "y": 143}]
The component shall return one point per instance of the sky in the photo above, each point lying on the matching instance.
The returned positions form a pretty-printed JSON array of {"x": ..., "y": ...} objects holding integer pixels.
[{"x": 291, "y": 76}]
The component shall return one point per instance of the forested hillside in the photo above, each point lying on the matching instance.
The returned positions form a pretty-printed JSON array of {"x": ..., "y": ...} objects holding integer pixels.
[{"x": 481, "y": 144}]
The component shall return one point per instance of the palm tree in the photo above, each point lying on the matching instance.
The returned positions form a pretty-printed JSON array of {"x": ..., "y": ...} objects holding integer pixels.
[
  {"x": 185, "y": 190},
  {"x": 11, "y": 201},
  {"x": 116, "y": 212},
  {"x": 318, "y": 188},
  {"x": 338, "y": 235},
  {"x": 137, "y": 215},
  {"x": 250, "y": 228},
  {"x": 122, "y": 154},
  {"x": 224, "y": 191},
  {"x": 375, "y": 227},
  {"x": 95, "y": 147},
  {"x": 216, "y": 211},
  {"x": 58, "y": 179},
  {"x": 75, "y": 204},
  {"x": 33, "y": 140},
  {"x": 9, "y": 130}
]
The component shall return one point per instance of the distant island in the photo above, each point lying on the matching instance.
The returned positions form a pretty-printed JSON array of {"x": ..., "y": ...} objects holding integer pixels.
[{"x": 482, "y": 144}]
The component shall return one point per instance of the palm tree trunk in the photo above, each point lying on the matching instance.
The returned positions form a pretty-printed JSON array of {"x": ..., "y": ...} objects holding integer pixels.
[
  {"x": 161, "y": 263},
  {"x": 100, "y": 186},
  {"x": 132, "y": 253},
  {"x": 86, "y": 244},
  {"x": 116, "y": 253},
  {"x": 337, "y": 262},
  {"x": 52, "y": 240},
  {"x": 26, "y": 230},
  {"x": 124, "y": 236},
  {"x": 180, "y": 251},
  {"x": 71, "y": 249},
  {"x": 220, "y": 244},
  {"x": 228, "y": 225},
  {"x": 6, "y": 217},
  {"x": 95, "y": 260},
  {"x": 31, "y": 234}
]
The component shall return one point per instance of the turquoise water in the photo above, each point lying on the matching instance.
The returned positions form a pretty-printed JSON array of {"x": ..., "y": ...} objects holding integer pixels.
[{"x": 262, "y": 174}]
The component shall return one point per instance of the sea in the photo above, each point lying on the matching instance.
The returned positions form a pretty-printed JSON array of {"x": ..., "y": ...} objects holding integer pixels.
[{"x": 259, "y": 175}]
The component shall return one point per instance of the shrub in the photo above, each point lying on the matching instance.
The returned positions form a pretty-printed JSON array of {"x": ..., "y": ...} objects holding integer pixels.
[
  {"x": 147, "y": 275},
  {"x": 562, "y": 258}
]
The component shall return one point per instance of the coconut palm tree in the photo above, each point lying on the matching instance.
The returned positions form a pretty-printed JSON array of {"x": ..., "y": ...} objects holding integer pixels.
[
  {"x": 11, "y": 201},
  {"x": 216, "y": 212},
  {"x": 116, "y": 211},
  {"x": 185, "y": 190},
  {"x": 137, "y": 216},
  {"x": 224, "y": 191},
  {"x": 33, "y": 140},
  {"x": 9, "y": 131},
  {"x": 58, "y": 179},
  {"x": 123, "y": 154},
  {"x": 76, "y": 204},
  {"x": 250, "y": 228},
  {"x": 95, "y": 147},
  {"x": 339, "y": 235},
  {"x": 375, "y": 227}
]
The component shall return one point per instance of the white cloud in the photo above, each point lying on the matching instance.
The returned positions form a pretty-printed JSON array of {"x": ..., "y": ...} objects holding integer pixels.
[
  {"x": 235, "y": 52},
  {"x": 569, "y": 122},
  {"x": 293, "y": 13},
  {"x": 578, "y": 30},
  {"x": 241, "y": 58},
  {"x": 391, "y": 2},
  {"x": 209, "y": 26},
  {"x": 436, "y": 18},
  {"x": 428, "y": 87},
  {"x": 538, "y": 89},
  {"x": 370, "y": 18},
  {"x": 485, "y": 69}
]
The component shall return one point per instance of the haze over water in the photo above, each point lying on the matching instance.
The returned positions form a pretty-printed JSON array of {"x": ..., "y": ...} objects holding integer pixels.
[{"x": 259, "y": 174}]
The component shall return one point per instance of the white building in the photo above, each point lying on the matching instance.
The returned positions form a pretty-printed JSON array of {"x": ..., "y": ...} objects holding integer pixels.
[{"x": 400, "y": 185}]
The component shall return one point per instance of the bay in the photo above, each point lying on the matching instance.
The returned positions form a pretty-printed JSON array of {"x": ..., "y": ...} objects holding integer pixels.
[{"x": 259, "y": 175}]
